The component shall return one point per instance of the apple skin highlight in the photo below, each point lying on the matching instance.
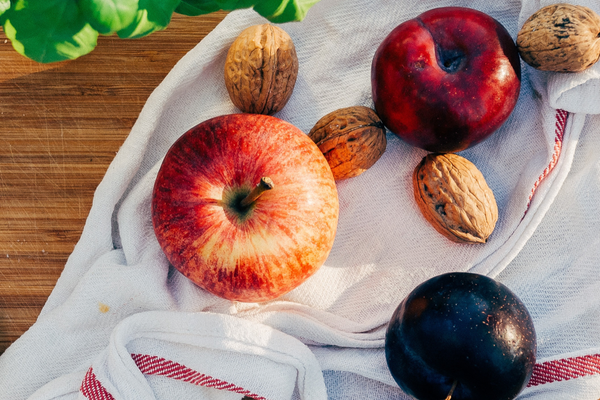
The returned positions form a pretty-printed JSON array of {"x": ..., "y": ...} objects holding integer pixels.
[
  {"x": 258, "y": 252},
  {"x": 447, "y": 79}
]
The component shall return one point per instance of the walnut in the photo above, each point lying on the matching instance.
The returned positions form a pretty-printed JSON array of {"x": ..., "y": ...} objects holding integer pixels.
[
  {"x": 261, "y": 69},
  {"x": 352, "y": 140},
  {"x": 454, "y": 197},
  {"x": 560, "y": 38}
]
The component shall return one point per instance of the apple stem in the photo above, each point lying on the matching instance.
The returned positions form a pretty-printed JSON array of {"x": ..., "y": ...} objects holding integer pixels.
[
  {"x": 449, "y": 397},
  {"x": 265, "y": 184}
]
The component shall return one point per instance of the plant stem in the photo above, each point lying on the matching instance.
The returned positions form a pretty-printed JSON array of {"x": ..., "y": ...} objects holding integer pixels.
[
  {"x": 265, "y": 184},
  {"x": 449, "y": 397}
]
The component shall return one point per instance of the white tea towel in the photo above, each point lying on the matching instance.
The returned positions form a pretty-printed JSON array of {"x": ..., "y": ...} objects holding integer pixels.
[{"x": 122, "y": 324}]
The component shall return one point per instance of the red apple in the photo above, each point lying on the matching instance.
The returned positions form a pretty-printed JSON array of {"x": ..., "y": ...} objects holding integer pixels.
[
  {"x": 447, "y": 79},
  {"x": 245, "y": 206}
]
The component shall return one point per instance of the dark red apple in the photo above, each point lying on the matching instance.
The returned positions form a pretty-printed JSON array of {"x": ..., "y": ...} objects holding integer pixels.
[
  {"x": 447, "y": 79},
  {"x": 461, "y": 336},
  {"x": 245, "y": 206}
]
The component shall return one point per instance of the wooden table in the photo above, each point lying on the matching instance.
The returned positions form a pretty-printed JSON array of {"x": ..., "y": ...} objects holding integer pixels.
[{"x": 61, "y": 125}]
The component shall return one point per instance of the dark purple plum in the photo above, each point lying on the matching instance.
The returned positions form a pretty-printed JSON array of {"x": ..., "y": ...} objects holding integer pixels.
[{"x": 462, "y": 334}]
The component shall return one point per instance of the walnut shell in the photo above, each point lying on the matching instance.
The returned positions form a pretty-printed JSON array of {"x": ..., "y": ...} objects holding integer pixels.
[
  {"x": 261, "y": 69},
  {"x": 560, "y": 38},
  {"x": 352, "y": 139},
  {"x": 454, "y": 197}
]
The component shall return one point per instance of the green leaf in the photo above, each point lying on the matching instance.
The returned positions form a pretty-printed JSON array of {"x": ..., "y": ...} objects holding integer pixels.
[
  {"x": 199, "y": 7},
  {"x": 277, "y": 11},
  {"x": 49, "y": 30},
  {"x": 108, "y": 16},
  {"x": 195, "y": 7},
  {"x": 152, "y": 15},
  {"x": 4, "y": 6},
  {"x": 284, "y": 11}
]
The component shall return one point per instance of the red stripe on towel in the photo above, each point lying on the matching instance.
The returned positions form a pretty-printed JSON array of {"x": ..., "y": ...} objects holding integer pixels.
[
  {"x": 559, "y": 131},
  {"x": 546, "y": 372},
  {"x": 565, "y": 369},
  {"x": 93, "y": 389},
  {"x": 153, "y": 365}
]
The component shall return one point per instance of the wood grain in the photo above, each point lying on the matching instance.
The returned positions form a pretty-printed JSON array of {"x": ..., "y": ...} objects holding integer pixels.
[{"x": 61, "y": 125}]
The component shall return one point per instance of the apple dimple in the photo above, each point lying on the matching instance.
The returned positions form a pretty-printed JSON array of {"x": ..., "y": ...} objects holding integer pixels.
[
  {"x": 231, "y": 204},
  {"x": 450, "y": 60},
  {"x": 239, "y": 202}
]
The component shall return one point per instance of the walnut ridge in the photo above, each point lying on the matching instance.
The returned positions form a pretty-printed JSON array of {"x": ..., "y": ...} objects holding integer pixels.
[
  {"x": 352, "y": 139},
  {"x": 560, "y": 38},
  {"x": 261, "y": 69},
  {"x": 454, "y": 197}
]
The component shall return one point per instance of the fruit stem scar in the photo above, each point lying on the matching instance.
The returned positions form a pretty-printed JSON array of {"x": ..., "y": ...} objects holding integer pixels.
[
  {"x": 449, "y": 397},
  {"x": 265, "y": 184}
]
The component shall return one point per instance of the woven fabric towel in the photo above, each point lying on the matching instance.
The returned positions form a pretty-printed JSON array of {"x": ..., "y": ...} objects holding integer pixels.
[{"x": 122, "y": 324}]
